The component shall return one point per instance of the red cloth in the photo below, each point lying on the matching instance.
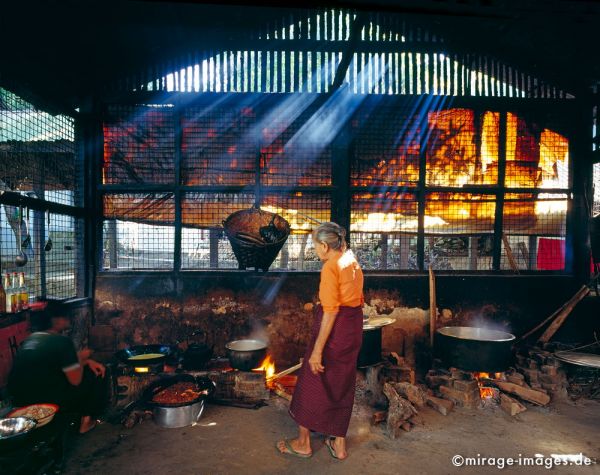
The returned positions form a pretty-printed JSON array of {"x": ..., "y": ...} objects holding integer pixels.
[
  {"x": 551, "y": 254},
  {"x": 323, "y": 402}
]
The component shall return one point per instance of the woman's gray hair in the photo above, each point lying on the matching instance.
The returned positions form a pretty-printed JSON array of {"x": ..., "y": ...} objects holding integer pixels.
[{"x": 331, "y": 234}]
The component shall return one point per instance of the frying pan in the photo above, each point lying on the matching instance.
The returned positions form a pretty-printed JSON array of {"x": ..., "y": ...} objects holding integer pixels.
[{"x": 126, "y": 355}]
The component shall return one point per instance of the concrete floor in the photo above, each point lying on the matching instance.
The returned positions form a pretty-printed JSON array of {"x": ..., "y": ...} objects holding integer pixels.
[{"x": 241, "y": 441}]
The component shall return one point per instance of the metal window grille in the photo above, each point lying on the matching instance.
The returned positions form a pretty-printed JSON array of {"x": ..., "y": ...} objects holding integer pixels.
[
  {"x": 293, "y": 154},
  {"x": 596, "y": 206},
  {"x": 138, "y": 231},
  {"x": 384, "y": 226},
  {"x": 459, "y": 228},
  {"x": 64, "y": 232},
  {"x": 386, "y": 146},
  {"x": 203, "y": 242},
  {"x": 301, "y": 210},
  {"x": 139, "y": 145},
  {"x": 38, "y": 160},
  {"x": 452, "y": 158},
  {"x": 218, "y": 145},
  {"x": 534, "y": 230}
]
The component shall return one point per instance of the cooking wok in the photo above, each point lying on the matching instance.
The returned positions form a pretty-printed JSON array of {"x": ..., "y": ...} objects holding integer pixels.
[
  {"x": 128, "y": 355},
  {"x": 474, "y": 348}
]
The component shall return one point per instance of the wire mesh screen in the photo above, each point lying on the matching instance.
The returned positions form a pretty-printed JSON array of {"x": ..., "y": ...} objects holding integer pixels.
[
  {"x": 138, "y": 231},
  {"x": 203, "y": 242},
  {"x": 218, "y": 145},
  {"x": 536, "y": 157},
  {"x": 37, "y": 152},
  {"x": 386, "y": 146},
  {"x": 452, "y": 158},
  {"x": 534, "y": 231},
  {"x": 302, "y": 211},
  {"x": 458, "y": 229},
  {"x": 383, "y": 232},
  {"x": 139, "y": 145},
  {"x": 596, "y": 206},
  {"x": 61, "y": 272},
  {"x": 294, "y": 153},
  {"x": 20, "y": 233}
]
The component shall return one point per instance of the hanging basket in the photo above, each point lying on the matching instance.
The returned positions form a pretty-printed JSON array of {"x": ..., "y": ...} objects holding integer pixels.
[{"x": 242, "y": 228}]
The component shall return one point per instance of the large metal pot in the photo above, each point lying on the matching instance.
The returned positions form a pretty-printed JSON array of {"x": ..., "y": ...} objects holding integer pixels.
[
  {"x": 474, "y": 349},
  {"x": 174, "y": 417},
  {"x": 246, "y": 355},
  {"x": 370, "y": 350},
  {"x": 178, "y": 415}
]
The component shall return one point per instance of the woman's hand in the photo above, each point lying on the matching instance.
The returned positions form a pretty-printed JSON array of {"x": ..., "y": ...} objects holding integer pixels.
[
  {"x": 315, "y": 363},
  {"x": 84, "y": 355},
  {"x": 97, "y": 368}
]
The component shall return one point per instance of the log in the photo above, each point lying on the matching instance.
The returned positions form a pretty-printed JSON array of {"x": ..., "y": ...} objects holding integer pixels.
[
  {"x": 443, "y": 406},
  {"x": 399, "y": 411},
  {"x": 510, "y": 405},
  {"x": 527, "y": 394},
  {"x": 281, "y": 392},
  {"x": 432, "y": 306},
  {"x": 562, "y": 316},
  {"x": 554, "y": 315},
  {"x": 413, "y": 393}
]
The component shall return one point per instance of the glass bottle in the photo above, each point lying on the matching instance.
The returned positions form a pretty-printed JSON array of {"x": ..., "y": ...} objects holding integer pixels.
[
  {"x": 23, "y": 292},
  {"x": 9, "y": 294},
  {"x": 2, "y": 299},
  {"x": 15, "y": 303}
]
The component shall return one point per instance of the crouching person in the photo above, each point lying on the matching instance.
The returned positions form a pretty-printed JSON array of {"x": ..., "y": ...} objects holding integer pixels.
[{"x": 48, "y": 369}]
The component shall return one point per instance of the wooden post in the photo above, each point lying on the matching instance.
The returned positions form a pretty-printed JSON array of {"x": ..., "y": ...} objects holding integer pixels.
[
  {"x": 473, "y": 253},
  {"x": 432, "y": 306},
  {"x": 404, "y": 251}
]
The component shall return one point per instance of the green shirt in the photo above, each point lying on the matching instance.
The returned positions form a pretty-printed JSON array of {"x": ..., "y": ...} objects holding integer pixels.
[{"x": 38, "y": 373}]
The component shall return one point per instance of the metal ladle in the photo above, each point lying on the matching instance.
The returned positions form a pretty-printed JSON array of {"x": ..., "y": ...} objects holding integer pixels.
[
  {"x": 21, "y": 259},
  {"x": 48, "y": 245}
]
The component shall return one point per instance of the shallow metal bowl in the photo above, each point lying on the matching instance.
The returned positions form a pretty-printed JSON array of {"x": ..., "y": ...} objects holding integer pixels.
[
  {"x": 476, "y": 333},
  {"x": 13, "y": 427}
]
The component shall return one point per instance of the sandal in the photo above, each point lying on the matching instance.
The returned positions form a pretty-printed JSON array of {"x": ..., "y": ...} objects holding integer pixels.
[
  {"x": 289, "y": 450},
  {"x": 328, "y": 444}
]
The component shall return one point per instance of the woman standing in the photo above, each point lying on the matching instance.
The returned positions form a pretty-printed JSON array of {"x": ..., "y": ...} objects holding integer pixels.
[{"x": 324, "y": 393}]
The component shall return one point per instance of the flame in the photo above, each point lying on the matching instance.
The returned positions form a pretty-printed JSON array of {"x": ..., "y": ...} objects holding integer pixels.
[
  {"x": 268, "y": 366},
  {"x": 486, "y": 392}
]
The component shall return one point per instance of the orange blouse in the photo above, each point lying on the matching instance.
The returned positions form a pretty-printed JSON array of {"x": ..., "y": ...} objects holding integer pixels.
[{"x": 341, "y": 283}]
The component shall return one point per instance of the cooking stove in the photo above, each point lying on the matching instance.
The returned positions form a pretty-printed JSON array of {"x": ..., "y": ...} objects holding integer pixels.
[{"x": 231, "y": 384}]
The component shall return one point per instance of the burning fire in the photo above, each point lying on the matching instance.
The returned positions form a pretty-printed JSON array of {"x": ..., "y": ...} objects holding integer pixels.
[
  {"x": 268, "y": 366},
  {"x": 486, "y": 392}
]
